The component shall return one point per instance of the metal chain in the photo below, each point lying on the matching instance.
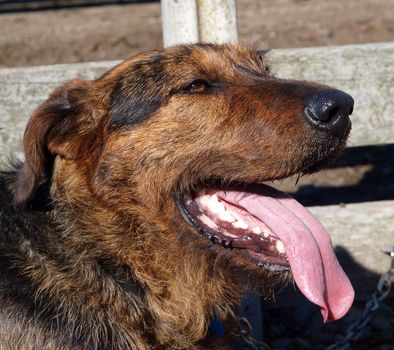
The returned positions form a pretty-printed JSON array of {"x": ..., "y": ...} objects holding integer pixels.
[
  {"x": 243, "y": 331},
  {"x": 382, "y": 290}
]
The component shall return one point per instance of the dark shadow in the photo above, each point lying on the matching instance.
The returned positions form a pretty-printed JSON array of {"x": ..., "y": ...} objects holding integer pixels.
[
  {"x": 364, "y": 281},
  {"x": 7, "y": 6},
  {"x": 376, "y": 184},
  {"x": 291, "y": 316}
]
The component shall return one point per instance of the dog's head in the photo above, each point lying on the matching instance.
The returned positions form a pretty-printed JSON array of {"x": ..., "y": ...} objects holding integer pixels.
[{"x": 177, "y": 143}]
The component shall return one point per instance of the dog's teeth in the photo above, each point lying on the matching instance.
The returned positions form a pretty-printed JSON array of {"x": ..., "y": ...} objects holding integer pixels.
[
  {"x": 226, "y": 216},
  {"x": 240, "y": 224},
  {"x": 280, "y": 247},
  {"x": 202, "y": 201},
  {"x": 266, "y": 233},
  {"x": 257, "y": 230},
  {"x": 215, "y": 206}
]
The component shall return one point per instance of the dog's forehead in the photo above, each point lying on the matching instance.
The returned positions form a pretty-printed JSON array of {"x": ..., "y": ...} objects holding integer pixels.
[
  {"x": 211, "y": 60},
  {"x": 217, "y": 59}
]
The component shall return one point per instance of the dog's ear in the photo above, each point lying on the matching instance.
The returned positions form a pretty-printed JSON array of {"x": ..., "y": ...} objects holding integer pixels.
[{"x": 64, "y": 125}]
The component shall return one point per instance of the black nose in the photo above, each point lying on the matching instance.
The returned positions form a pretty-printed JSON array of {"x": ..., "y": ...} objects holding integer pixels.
[{"x": 329, "y": 111}]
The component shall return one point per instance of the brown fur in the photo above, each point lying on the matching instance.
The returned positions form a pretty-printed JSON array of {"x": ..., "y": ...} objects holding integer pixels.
[{"x": 108, "y": 262}]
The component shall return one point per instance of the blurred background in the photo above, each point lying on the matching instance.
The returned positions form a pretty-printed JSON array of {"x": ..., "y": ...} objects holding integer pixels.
[{"x": 87, "y": 32}]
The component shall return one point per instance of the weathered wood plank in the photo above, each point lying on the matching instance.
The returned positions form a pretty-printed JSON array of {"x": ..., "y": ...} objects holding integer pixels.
[
  {"x": 23, "y": 89},
  {"x": 366, "y": 71},
  {"x": 360, "y": 232}
]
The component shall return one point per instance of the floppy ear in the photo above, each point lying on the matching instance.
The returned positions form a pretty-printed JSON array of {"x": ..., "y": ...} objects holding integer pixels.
[{"x": 64, "y": 125}]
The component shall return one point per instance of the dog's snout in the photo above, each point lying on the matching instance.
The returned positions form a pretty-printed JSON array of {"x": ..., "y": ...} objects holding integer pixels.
[{"x": 329, "y": 110}]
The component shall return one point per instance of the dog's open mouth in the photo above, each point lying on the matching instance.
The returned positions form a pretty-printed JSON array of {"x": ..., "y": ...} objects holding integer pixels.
[
  {"x": 276, "y": 232},
  {"x": 219, "y": 214}
]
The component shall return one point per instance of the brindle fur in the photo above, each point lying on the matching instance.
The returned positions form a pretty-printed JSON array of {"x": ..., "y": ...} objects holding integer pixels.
[{"x": 94, "y": 253}]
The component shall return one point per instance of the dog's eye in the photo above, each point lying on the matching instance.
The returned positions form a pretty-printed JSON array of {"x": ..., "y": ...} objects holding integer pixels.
[{"x": 197, "y": 86}]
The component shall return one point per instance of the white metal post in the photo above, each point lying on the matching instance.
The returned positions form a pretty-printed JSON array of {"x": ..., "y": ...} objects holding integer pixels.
[
  {"x": 180, "y": 22},
  {"x": 191, "y": 21},
  {"x": 217, "y": 21}
]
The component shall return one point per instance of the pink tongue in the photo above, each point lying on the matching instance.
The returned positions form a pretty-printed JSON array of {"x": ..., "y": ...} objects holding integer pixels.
[{"x": 308, "y": 247}]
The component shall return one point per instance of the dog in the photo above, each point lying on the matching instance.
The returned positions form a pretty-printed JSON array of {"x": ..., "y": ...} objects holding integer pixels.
[{"x": 139, "y": 213}]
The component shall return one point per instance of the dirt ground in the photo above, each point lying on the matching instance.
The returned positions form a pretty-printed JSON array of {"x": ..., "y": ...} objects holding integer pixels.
[{"x": 115, "y": 32}]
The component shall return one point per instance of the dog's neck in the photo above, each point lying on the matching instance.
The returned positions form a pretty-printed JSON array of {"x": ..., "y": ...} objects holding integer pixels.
[{"x": 180, "y": 304}]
